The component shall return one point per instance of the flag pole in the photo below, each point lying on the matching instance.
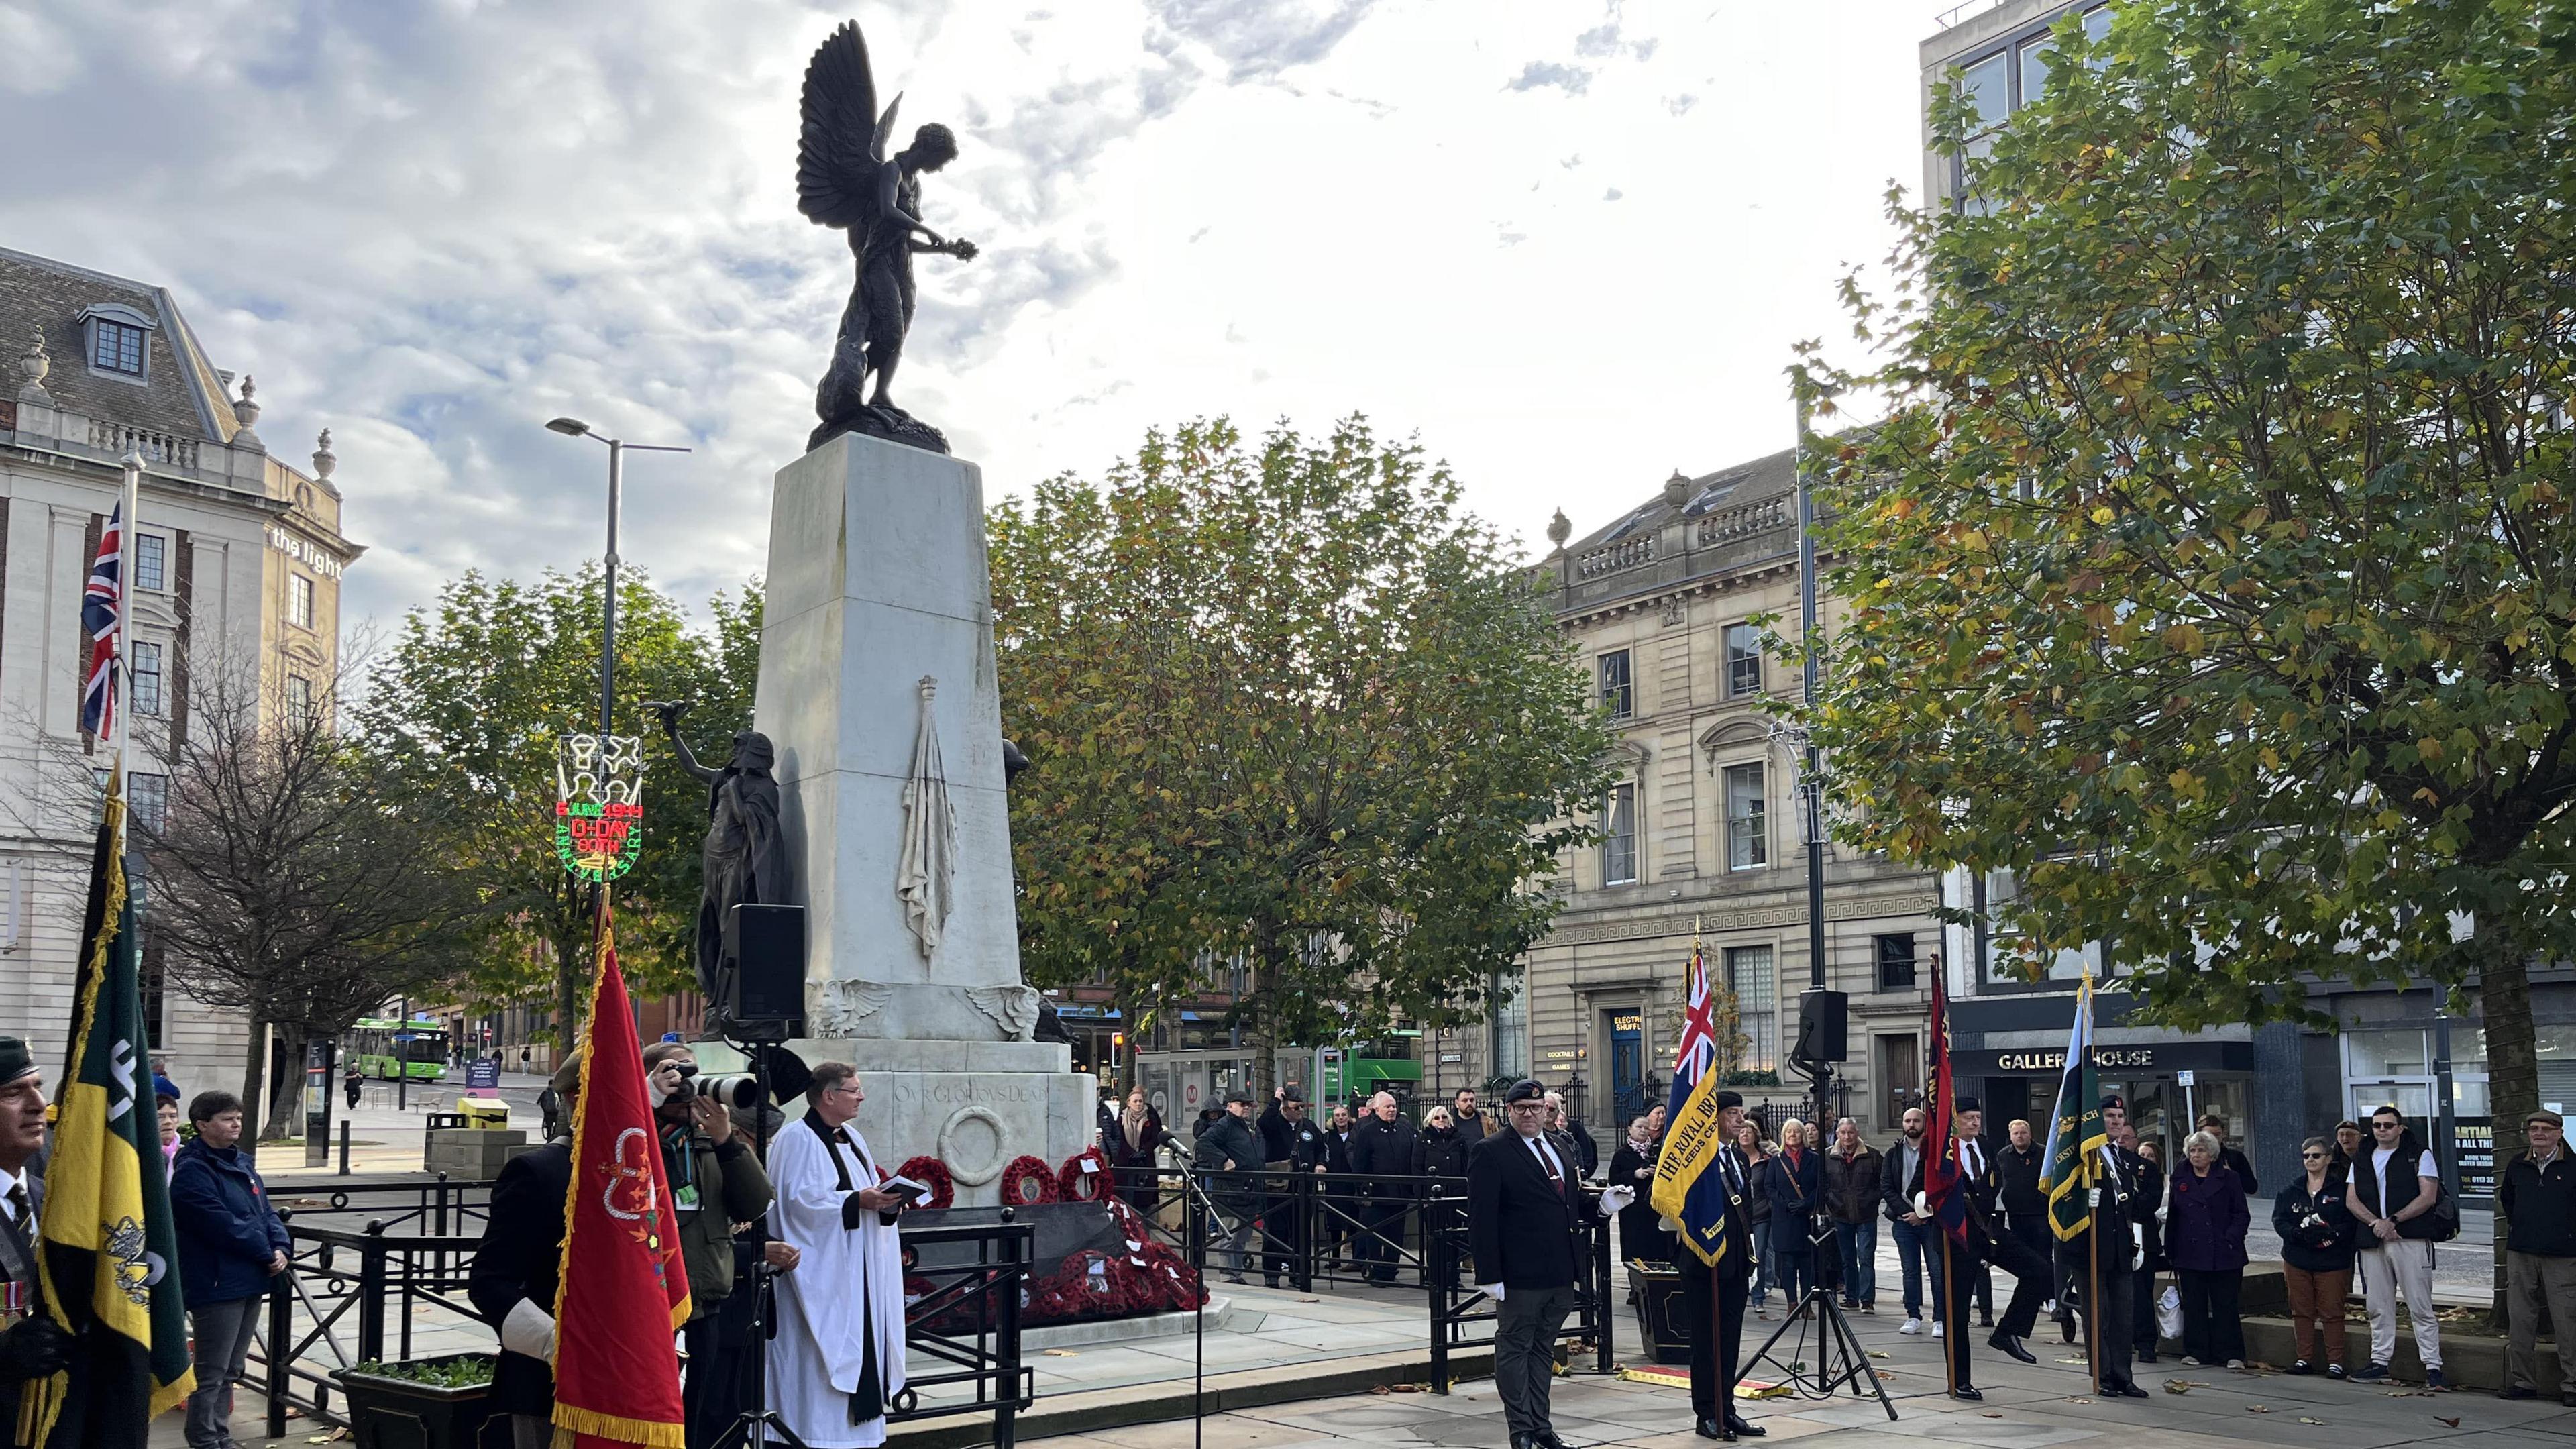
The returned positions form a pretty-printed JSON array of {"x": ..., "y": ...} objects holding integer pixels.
[
  {"x": 2093, "y": 1297},
  {"x": 123, "y": 681},
  {"x": 1950, "y": 1340}
]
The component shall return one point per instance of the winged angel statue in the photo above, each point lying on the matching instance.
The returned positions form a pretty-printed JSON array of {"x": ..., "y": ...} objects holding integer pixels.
[{"x": 844, "y": 178}]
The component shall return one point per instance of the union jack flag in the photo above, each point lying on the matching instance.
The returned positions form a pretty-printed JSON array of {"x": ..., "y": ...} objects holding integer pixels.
[
  {"x": 1698, "y": 1049},
  {"x": 102, "y": 606}
]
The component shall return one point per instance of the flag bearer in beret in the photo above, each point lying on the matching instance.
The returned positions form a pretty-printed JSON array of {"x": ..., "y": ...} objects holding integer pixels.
[
  {"x": 1713, "y": 1297},
  {"x": 2115, "y": 1246},
  {"x": 1986, "y": 1242},
  {"x": 31, "y": 1346}
]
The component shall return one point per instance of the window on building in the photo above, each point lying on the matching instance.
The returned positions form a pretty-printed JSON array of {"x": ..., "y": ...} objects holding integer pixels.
[
  {"x": 299, "y": 701},
  {"x": 150, "y": 552},
  {"x": 299, "y": 600},
  {"x": 1619, "y": 836},
  {"x": 1743, "y": 661},
  {"x": 116, "y": 347},
  {"x": 1616, "y": 692},
  {"x": 1748, "y": 837},
  {"x": 147, "y": 679},
  {"x": 1757, "y": 1004},
  {"x": 1895, "y": 961},
  {"x": 1511, "y": 1033},
  {"x": 150, "y": 797}
]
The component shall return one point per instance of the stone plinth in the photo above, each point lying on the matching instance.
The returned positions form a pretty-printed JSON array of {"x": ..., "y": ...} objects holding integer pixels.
[{"x": 877, "y": 581}]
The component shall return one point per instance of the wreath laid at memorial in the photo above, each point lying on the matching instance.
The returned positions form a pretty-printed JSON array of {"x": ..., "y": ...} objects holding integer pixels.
[
  {"x": 1078, "y": 1182},
  {"x": 1027, "y": 1182},
  {"x": 933, "y": 1173}
]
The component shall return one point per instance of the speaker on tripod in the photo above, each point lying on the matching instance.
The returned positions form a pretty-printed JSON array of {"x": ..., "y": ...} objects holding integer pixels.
[
  {"x": 1824, "y": 1027},
  {"x": 760, "y": 988}
]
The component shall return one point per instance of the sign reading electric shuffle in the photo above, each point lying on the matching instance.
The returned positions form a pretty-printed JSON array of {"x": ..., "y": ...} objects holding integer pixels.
[{"x": 599, "y": 804}]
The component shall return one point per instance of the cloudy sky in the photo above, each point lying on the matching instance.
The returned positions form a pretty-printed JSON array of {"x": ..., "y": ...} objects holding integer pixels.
[{"x": 1566, "y": 244}]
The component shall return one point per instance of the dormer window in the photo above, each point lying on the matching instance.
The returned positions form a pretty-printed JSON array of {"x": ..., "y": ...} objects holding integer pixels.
[
  {"x": 116, "y": 347},
  {"x": 120, "y": 342}
]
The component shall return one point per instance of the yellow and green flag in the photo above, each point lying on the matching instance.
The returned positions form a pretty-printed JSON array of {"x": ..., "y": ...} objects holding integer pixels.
[
  {"x": 2075, "y": 1135},
  {"x": 109, "y": 1263}
]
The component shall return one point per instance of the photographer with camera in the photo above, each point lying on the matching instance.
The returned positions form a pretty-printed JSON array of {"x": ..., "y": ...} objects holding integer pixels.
[{"x": 716, "y": 1181}]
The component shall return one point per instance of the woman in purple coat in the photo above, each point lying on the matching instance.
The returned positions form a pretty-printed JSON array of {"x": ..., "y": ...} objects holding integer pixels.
[{"x": 2205, "y": 1241}]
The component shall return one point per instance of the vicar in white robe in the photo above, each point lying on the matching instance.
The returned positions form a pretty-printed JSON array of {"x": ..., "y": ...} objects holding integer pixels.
[{"x": 837, "y": 1358}]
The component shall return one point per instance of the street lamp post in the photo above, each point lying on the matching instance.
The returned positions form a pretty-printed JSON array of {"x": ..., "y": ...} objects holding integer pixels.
[
  {"x": 566, "y": 1006},
  {"x": 576, "y": 428}
]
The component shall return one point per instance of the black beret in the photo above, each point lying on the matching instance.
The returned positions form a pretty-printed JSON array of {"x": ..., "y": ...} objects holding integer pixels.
[
  {"x": 15, "y": 1062},
  {"x": 1725, "y": 1100},
  {"x": 1524, "y": 1090},
  {"x": 1965, "y": 1104},
  {"x": 2113, "y": 1100}
]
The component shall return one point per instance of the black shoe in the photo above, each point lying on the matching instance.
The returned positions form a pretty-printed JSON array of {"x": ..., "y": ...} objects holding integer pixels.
[
  {"x": 2147, "y": 1356},
  {"x": 2011, "y": 1347},
  {"x": 1524, "y": 1441},
  {"x": 2519, "y": 1391},
  {"x": 1743, "y": 1428},
  {"x": 2066, "y": 1326},
  {"x": 1546, "y": 1439},
  {"x": 1709, "y": 1429},
  {"x": 2124, "y": 1391},
  {"x": 1985, "y": 1320},
  {"x": 1967, "y": 1395}
]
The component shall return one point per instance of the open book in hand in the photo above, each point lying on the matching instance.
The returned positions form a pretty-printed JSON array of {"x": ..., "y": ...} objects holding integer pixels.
[{"x": 914, "y": 1193}]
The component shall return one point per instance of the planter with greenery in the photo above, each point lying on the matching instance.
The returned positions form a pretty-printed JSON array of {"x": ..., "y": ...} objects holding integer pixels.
[{"x": 431, "y": 1403}]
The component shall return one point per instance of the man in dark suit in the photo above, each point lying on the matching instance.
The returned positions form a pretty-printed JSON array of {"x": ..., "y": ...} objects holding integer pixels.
[
  {"x": 1382, "y": 1151},
  {"x": 1989, "y": 1242},
  {"x": 516, "y": 1269},
  {"x": 35, "y": 1346},
  {"x": 2106, "y": 1254},
  {"x": 1525, "y": 1209},
  {"x": 1713, "y": 1298}
]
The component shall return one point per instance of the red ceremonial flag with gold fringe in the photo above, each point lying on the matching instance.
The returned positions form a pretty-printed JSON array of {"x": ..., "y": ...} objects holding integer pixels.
[{"x": 624, "y": 1290}]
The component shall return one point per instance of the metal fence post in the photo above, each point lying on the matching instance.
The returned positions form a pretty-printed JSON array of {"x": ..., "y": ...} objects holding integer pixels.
[
  {"x": 344, "y": 1160},
  {"x": 1437, "y": 1291},
  {"x": 1601, "y": 1292},
  {"x": 281, "y": 1347},
  {"x": 371, "y": 1294},
  {"x": 1007, "y": 1343}
]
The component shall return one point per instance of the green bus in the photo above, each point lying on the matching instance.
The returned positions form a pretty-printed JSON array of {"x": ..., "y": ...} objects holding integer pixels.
[{"x": 375, "y": 1044}]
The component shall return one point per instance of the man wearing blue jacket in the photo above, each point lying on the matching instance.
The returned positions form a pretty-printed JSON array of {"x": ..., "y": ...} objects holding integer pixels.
[{"x": 230, "y": 1244}]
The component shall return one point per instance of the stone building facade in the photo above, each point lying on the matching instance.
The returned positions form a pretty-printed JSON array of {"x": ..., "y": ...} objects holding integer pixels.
[
  {"x": 234, "y": 568},
  {"x": 1704, "y": 840}
]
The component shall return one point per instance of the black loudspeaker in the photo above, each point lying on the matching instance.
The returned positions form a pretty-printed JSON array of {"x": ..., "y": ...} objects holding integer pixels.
[
  {"x": 765, "y": 960},
  {"x": 1823, "y": 1022}
]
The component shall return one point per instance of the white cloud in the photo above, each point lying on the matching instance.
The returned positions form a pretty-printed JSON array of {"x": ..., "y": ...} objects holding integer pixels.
[{"x": 432, "y": 226}]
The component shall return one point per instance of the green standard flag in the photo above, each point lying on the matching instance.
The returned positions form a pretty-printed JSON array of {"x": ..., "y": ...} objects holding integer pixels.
[
  {"x": 2075, "y": 1135},
  {"x": 110, "y": 1264}
]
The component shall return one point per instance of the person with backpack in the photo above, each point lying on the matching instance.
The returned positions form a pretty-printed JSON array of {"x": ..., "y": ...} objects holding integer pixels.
[{"x": 2395, "y": 1190}]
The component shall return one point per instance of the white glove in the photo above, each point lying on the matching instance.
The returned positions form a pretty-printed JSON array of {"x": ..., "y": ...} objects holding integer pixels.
[
  {"x": 529, "y": 1330},
  {"x": 1616, "y": 1200},
  {"x": 1922, "y": 1205},
  {"x": 660, "y": 1083},
  {"x": 1491, "y": 1290}
]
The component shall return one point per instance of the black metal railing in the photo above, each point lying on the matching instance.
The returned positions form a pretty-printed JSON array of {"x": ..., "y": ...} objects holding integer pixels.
[{"x": 360, "y": 1290}]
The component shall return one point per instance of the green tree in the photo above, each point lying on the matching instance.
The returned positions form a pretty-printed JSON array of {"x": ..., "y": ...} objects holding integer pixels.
[
  {"x": 469, "y": 705},
  {"x": 2212, "y": 566},
  {"x": 1287, "y": 705}
]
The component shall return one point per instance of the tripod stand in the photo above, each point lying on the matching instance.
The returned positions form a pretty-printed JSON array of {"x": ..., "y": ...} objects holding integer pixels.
[
  {"x": 1839, "y": 1358},
  {"x": 752, "y": 1427}
]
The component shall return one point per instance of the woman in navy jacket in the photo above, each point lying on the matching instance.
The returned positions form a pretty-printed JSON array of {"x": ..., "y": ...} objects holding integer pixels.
[
  {"x": 231, "y": 1243},
  {"x": 2205, "y": 1238},
  {"x": 1794, "y": 1180}
]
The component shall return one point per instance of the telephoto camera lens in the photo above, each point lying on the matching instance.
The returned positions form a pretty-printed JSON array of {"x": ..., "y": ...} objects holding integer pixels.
[{"x": 739, "y": 1091}]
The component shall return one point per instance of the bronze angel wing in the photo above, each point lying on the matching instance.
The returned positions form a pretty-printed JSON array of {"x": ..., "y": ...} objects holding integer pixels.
[{"x": 840, "y": 145}]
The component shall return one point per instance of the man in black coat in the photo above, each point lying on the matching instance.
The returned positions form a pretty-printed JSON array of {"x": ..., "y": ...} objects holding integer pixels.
[
  {"x": 1293, "y": 1147},
  {"x": 1988, "y": 1242},
  {"x": 1713, "y": 1298},
  {"x": 1231, "y": 1146},
  {"x": 1382, "y": 1153},
  {"x": 1525, "y": 1211},
  {"x": 516, "y": 1270},
  {"x": 2106, "y": 1254},
  {"x": 1338, "y": 1209},
  {"x": 2019, "y": 1167}
]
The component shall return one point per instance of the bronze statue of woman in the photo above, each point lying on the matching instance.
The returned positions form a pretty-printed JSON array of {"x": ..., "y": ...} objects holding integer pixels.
[{"x": 745, "y": 857}]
